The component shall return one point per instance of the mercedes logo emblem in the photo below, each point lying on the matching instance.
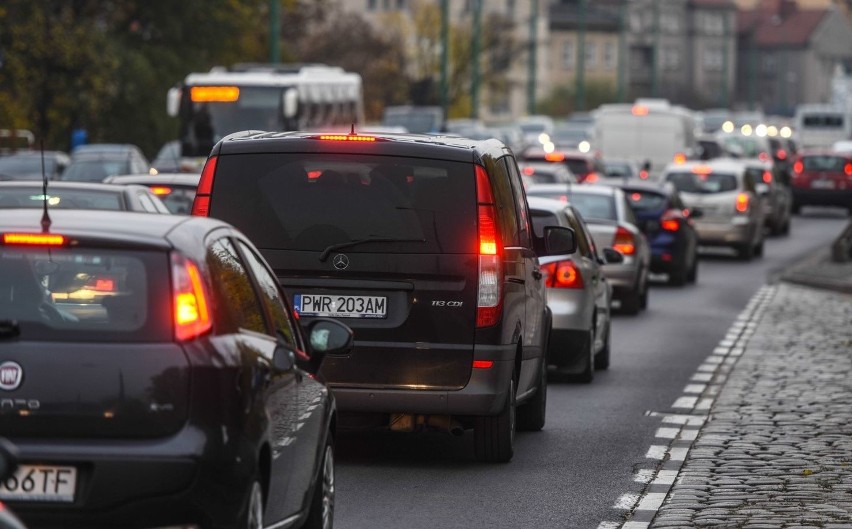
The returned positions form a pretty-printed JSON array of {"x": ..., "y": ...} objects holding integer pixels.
[{"x": 340, "y": 262}]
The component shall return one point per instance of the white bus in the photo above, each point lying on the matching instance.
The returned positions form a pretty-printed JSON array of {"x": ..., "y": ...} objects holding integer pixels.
[
  {"x": 822, "y": 125},
  {"x": 269, "y": 97},
  {"x": 650, "y": 130}
]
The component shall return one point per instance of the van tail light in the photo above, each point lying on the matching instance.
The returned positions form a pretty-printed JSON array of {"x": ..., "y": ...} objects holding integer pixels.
[
  {"x": 490, "y": 294},
  {"x": 201, "y": 204},
  {"x": 191, "y": 309},
  {"x": 562, "y": 274},
  {"x": 624, "y": 241},
  {"x": 848, "y": 169},
  {"x": 798, "y": 167},
  {"x": 742, "y": 203},
  {"x": 671, "y": 219}
]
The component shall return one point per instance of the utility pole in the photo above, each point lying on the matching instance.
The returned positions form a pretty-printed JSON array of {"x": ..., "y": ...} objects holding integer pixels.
[
  {"x": 274, "y": 31},
  {"x": 580, "y": 82},
  {"x": 622, "y": 50},
  {"x": 445, "y": 57},
  {"x": 752, "y": 71},
  {"x": 726, "y": 36},
  {"x": 655, "y": 65},
  {"x": 474, "y": 56},
  {"x": 532, "y": 58}
]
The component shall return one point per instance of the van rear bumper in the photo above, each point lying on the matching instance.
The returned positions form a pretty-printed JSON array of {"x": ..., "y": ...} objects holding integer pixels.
[{"x": 484, "y": 394}]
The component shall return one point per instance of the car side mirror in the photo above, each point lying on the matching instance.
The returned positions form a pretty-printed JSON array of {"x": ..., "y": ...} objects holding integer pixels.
[
  {"x": 283, "y": 359},
  {"x": 173, "y": 102},
  {"x": 8, "y": 459},
  {"x": 327, "y": 336},
  {"x": 612, "y": 256},
  {"x": 559, "y": 240}
]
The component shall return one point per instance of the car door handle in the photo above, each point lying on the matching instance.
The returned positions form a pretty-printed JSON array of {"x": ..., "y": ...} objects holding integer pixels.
[{"x": 536, "y": 273}]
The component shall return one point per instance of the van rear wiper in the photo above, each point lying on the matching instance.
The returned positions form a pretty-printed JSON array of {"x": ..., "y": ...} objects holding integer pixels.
[{"x": 339, "y": 246}]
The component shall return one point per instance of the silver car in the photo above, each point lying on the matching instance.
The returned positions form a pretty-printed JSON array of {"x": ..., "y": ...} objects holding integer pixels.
[
  {"x": 612, "y": 224},
  {"x": 776, "y": 197},
  {"x": 726, "y": 194},
  {"x": 578, "y": 294}
]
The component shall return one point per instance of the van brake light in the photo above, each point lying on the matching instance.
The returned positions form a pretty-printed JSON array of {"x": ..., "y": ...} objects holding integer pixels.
[
  {"x": 201, "y": 204},
  {"x": 490, "y": 290},
  {"x": 34, "y": 239},
  {"x": 347, "y": 137}
]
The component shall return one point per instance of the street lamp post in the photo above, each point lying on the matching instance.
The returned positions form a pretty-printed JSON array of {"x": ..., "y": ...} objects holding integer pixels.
[
  {"x": 274, "y": 31},
  {"x": 531, "y": 70},
  {"x": 580, "y": 82},
  {"x": 474, "y": 56}
]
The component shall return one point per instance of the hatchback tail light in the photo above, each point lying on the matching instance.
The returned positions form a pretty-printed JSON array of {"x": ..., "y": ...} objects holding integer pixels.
[
  {"x": 201, "y": 204},
  {"x": 191, "y": 309},
  {"x": 848, "y": 169},
  {"x": 798, "y": 167},
  {"x": 742, "y": 203},
  {"x": 767, "y": 177},
  {"x": 490, "y": 292},
  {"x": 624, "y": 241},
  {"x": 562, "y": 274},
  {"x": 671, "y": 219},
  {"x": 781, "y": 154}
]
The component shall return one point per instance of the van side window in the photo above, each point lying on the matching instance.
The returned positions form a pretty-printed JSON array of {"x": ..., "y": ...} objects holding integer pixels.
[
  {"x": 232, "y": 290},
  {"x": 524, "y": 233},
  {"x": 504, "y": 197}
]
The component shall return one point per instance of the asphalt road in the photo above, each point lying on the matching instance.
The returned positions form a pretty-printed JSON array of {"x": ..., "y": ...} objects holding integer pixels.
[{"x": 572, "y": 473}]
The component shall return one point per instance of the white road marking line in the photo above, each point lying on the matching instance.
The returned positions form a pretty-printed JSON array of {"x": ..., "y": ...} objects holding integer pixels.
[
  {"x": 665, "y": 477},
  {"x": 688, "y": 435},
  {"x": 721, "y": 350},
  {"x": 626, "y": 501},
  {"x": 690, "y": 420},
  {"x": 635, "y": 525},
  {"x": 702, "y": 377},
  {"x": 657, "y": 452},
  {"x": 678, "y": 454},
  {"x": 695, "y": 388},
  {"x": 644, "y": 475},
  {"x": 651, "y": 501},
  {"x": 667, "y": 433},
  {"x": 726, "y": 343},
  {"x": 609, "y": 525},
  {"x": 707, "y": 368},
  {"x": 685, "y": 402},
  {"x": 714, "y": 359},
  {"x": 704, "y": 404}
]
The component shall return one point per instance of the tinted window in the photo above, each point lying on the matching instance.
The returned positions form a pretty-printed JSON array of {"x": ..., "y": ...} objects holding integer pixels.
[
  {"x": 542, "y": 219},
  {"x": 233, "y": 294},
  {"x": 685, "y": 182},
  {"x": 26, "y": 166},
  {"x": 178, "y": 200},
  {"x": 578, "y": 167},
  {"x": 520, "y": 203},
  {"x": 504, "y": 197},
  {"x": 594, "y": 206},
  {"x": 616, "y": 169},
  {"x": 645, "y": 200},
  {"x": 311, "y": 201},
  {"x": 718, "y": 182},
  {"x": 86, "y": 294},
  {"x": 270, "y": 295},
  {"x": 95, "y": 170},
  {"x": 31, "y": 197},
  {"x": 584, "y": 244},
  {"x": 823, "y": 163},
  {"x": 823, "y": 120}
]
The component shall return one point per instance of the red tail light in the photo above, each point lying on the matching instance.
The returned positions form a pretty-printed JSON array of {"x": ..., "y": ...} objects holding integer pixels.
[
  {"x": 201, "y": 204},
  {"x": 483, "y": 364},
  {"x": 591, "y": 178},
  {"x": 33, "y": 239},
  {"x": 798, "y": 167},
  {"x": 490, "y": 294},
  {"x": 848, "y": 169},
  {"x": 767, "y": 177},
  {"x": 679, "y": 158},
  {"x": 742, "y": 203},
  {"x": 161, "y": 190},
  {"x": 781, "y": 154},
  {"x": 562, "y": 274},
  {"x": 643, "y": 174},
  {"x": 529, "y": 171},
  {"x": 624, "y": 241},
  {"x": 671, "y": 219},
  {"x": 763, "y": 156},
  {"x": 191, "y": 309}
]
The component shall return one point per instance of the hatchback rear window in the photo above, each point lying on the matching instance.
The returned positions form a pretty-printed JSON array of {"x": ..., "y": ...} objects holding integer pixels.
[
  {"x": 685, "y": 182},
  {"x": 645, "y": 200},
  {"x": 85, "y": 294},
  {"x": 30, "y": 197},
  {"x": 824, "y": 163},
  {"x": 718, "y": 182},
  {"x": 593, "y": 206},
  {"x": 312, "y": 201},
  {"x": 541, "y": 219}
]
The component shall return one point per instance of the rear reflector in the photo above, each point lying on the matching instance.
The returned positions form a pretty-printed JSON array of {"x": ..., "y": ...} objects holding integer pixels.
[
  {"x": 623, "y": 241},
  {"x": 201, "y": 204},
  {"x": 483, "y": 364},
  {"x": 34, "y": 239},
  {"x": 191, "y": 310}
]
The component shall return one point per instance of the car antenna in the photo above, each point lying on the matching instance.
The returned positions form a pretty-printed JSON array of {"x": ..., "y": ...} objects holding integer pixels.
[
  {"x": 45, "y": 217},
  {"x": 352, "y": 130}
]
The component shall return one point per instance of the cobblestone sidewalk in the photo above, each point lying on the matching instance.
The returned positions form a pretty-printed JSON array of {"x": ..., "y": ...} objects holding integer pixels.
[{"x": 776, "y": 450}]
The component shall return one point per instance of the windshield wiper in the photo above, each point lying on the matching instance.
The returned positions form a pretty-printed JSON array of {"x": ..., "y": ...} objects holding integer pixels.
[{"x": 339, "y": 246}]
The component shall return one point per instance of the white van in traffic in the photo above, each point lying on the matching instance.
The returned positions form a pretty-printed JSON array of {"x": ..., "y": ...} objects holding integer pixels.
[{"x": 822, "y": 125}]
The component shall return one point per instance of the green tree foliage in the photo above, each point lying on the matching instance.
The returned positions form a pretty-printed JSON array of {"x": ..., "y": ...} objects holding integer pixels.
[{"x": 560, "y": 102}]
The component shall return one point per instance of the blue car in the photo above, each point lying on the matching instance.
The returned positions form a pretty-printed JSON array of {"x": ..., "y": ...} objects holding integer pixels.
[{"x": 667, "y": 224}]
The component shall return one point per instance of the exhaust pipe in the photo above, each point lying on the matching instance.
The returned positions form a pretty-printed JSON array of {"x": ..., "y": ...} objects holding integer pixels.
[{"x": 445, "y": 423}]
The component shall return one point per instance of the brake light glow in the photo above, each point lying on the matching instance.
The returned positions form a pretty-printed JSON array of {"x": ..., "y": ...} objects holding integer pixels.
[
  {"x": 483, "y": 364},
  {"x": 347, "y": 137},
  {"x": 742, "y": 203},
  {"x": 554, "y": 156},
  {"x": 624, "y": 242},
  {"x": 763, "y": 156},
  {"x": 562, "y": 274},
  {"x": 529, "y": 171},
  {"x": 591, "y": 178},
  {"x": 161, "y": 190},
  {"x": 191, "y": 312},
  {"x": 798, "y": 167},
  {"x": 639, "y": 110},
  {"x": 636, "y": 197},
  {"x": 490, "y": 291},
  {"x": 767, "y": 177},
  {"x": 702, "y": 169},
  {"x": 218, "y": 94},
  {"x": 781, "y": 154},
  {"x": 34, "y": 239},
  {"x": 848, "y": 169},
  {"x": 643, "y": 174},
  {"x": 679, "y": 158},
  {"x": 670, "y": 224},
  {"x": 201, "y": 204}
]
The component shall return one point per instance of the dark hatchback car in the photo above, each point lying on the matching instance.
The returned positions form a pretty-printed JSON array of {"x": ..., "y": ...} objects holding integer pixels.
[
  {"x": 423, "y": 246},
  {"x": 153, "y": 374},
  {"x": 80, "y": 195},
  {"x": 667, "y": 224}
]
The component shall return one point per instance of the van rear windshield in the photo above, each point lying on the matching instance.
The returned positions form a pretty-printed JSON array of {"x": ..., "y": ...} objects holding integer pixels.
[
  {"x": 91, "y": 295},
  {"x": 309, "y": 201}
]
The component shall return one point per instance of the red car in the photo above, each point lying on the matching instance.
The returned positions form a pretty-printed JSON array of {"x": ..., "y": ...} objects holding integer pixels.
[{"x": 822, "y": 178}]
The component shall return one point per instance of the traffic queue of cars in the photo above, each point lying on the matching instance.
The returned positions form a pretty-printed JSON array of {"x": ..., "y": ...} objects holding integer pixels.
[{"x": 322, "y": 281}]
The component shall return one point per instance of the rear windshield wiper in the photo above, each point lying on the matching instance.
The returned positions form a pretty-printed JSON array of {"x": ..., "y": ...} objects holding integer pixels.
[{"x": 339, "y": 246}]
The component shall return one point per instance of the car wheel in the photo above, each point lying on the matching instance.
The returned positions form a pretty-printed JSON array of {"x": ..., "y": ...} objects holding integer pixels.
[
  {"x": 494, "y": 435},
  {"x": 588, "y": 373},
  {"x": 532, "y": 414},
  {"x": 252, "y": 515},
  {"x": 321, "y": 514},
  {"x": 692, "y": 276},
  {"x": 602, "y": 357},
  {"x": 745, "y": 251}
]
